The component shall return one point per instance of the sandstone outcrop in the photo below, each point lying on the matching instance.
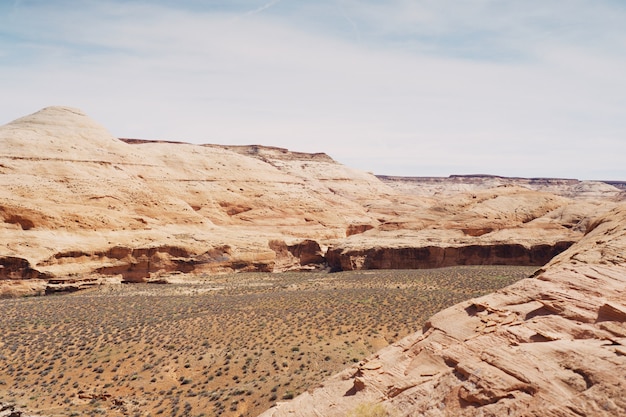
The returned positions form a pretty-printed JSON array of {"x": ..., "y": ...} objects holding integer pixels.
[
  {"x": 553, "y": 345},
  {"x": 506, "y": 225},
  {"x": 78, "y": 204}
]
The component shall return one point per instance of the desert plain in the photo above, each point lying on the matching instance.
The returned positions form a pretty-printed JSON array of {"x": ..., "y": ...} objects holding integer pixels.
[{"x": 150, "y": 277}]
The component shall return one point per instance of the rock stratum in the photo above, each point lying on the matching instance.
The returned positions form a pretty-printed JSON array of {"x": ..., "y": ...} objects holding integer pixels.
[{"x": 79, "y": 207}]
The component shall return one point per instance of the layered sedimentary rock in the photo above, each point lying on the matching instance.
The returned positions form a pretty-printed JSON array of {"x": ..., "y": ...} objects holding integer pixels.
[
  {"x": 78, "y": 204},
  {"x": 74, "y": 200},
  {"x": 552, "y": 345},
  {"x": 507, "y": 225}
]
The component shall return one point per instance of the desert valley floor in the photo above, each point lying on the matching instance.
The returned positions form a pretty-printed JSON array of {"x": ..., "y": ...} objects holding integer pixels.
[{"x": 230, "y": 345}]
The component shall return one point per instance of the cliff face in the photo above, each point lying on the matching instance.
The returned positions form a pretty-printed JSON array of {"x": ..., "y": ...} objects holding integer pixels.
[
  {"x": 553, "y": 345},
  {"x": 80, "y": 207},
  {"x": 77, "y": 203}
]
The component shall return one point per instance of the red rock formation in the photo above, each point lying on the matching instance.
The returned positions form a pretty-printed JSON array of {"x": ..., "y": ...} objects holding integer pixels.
[{"x": 15, "y": 268}]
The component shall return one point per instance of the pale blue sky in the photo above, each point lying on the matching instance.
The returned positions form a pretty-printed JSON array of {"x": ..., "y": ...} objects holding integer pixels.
[{"x": 424, "y": 87}]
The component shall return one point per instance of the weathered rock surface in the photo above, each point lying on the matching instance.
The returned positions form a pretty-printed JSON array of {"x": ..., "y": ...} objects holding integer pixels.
[
  {"x": 507, "y": 225},
  {"x": 410, "y": 257},
  {"x": 79, "y": 208},
  {"x": 78, "y": 204},
  {"x": 553, "y": 345}
]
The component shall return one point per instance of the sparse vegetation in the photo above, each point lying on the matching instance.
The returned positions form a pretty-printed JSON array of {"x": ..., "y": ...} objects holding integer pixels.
[{"x": 221, "y": 346}]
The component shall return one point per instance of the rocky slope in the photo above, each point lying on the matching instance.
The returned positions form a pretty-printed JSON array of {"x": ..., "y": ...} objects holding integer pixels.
[
  {"x": 80, "y": 207},
  {"x": 553, "y": 345}
]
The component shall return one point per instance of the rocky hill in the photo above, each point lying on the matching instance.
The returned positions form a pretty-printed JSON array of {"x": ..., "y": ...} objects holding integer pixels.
[
  {"x": 552, "y": 345},
  {"x": 80, "y": 207}
]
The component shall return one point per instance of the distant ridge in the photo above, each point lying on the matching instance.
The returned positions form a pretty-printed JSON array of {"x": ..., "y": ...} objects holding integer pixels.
[
  {"x": 474, "y": 178},
  {"x": 618, "y": 184}
]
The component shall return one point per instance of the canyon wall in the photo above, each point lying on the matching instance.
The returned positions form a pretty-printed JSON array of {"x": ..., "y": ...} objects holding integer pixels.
[
  {"x": 567, "y": 187},
  {"x": 442, "y": 256},
  {"x": 79, "y": 205}
]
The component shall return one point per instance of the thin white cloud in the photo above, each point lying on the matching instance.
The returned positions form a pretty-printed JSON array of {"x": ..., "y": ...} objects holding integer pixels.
[{"x": 262, "y": 8}]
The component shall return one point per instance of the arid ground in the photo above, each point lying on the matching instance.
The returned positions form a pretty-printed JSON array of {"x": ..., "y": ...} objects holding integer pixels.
[{"x": 228, "y": 345}]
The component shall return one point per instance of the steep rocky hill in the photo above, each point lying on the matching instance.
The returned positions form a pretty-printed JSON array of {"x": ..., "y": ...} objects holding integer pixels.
[
  {"x": 553, "y": 345},
  {"x": 81, "y": 207}
]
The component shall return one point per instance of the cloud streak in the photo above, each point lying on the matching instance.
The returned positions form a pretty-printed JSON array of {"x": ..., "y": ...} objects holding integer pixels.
[
  {"x": 262, "y": 8},
  {"x": 431, "y": 88}
]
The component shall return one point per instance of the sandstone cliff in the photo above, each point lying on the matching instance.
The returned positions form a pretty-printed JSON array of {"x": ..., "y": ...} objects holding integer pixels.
[{"x": 553, "y": 345}]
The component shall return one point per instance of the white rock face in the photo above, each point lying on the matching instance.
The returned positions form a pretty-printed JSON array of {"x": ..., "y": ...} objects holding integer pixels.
[
  {"x": 70, "y": 193},
  {"x": 439, "y": 186}
]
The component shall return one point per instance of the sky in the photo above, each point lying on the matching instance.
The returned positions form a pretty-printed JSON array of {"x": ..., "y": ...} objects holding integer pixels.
[{"x": 533, "y": 88}]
